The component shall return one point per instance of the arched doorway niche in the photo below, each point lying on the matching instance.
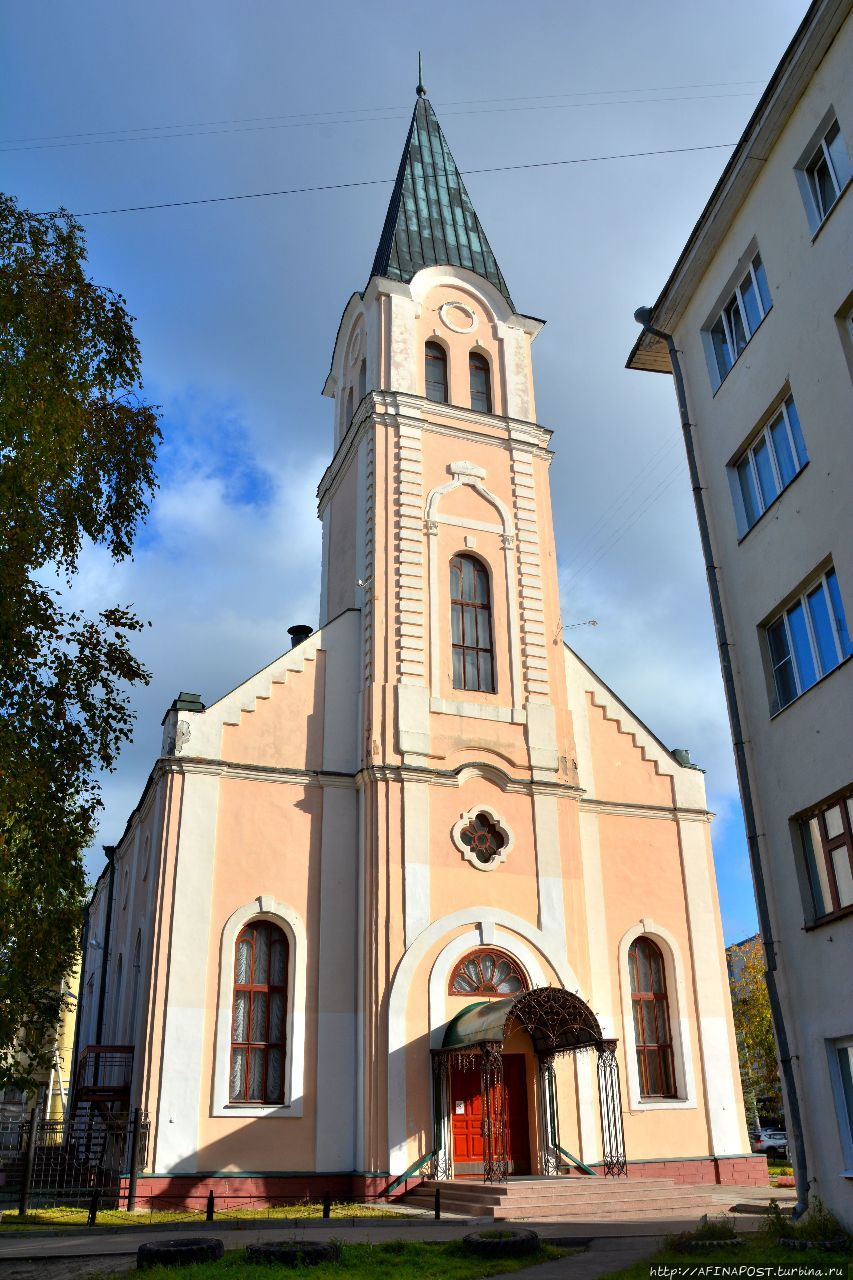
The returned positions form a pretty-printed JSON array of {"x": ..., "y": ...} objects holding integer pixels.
[{"x": 478, "y": 1044}]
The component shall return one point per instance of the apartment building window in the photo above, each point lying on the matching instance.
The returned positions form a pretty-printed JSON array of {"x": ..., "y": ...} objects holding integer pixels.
[
  {"x": 827, "y": 836},
  {"x": 808, "y": 640},
  {"x": 738, "y": 320},
  {"x": 840, "y": 1054},
  {"x": 769, "y": 465},
  {"x": 824, "y": 172}
]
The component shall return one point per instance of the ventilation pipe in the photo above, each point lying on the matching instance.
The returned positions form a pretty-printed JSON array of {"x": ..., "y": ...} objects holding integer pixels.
[
  {"x": 298, "y": 633},
  {"x": 643, "y": 316}
]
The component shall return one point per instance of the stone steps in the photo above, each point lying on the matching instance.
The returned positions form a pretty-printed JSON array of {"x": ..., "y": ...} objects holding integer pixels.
[{"x": 570, "y": 1199}]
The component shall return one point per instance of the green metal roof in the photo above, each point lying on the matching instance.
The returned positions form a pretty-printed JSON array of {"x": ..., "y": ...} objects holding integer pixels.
[
  {"x": 557, "y": 1021},
  {"x": 430, "y": 219}
]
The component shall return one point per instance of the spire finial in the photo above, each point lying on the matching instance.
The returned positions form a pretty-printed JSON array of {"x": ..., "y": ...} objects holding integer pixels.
[{"x": 421, "y": 91}]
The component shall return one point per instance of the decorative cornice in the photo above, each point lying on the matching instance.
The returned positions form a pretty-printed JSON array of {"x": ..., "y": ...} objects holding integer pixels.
[
  {"x": 255, "y": 772},
  {"x": 392, "y": 408},
  {"x": 666, "y": 812}
]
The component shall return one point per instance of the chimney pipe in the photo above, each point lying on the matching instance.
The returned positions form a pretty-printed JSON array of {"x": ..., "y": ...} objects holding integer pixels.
[{"x": 298, "y": 633}]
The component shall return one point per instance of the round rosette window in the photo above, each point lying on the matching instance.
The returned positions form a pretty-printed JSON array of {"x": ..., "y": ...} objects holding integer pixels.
[{"x": 482, "y": 839}]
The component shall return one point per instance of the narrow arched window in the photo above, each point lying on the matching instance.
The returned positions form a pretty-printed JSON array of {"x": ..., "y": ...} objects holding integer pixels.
[
  {"x": 471, "y": 625},
  {"x": 652, "y": 1033},
  {"x": 350, "y": 409},
  {"x": 258, "y": 1018},
  {"x": 481, "y": 383},
  {"x": 362, "y": 381},
  {"x": 487, "y": 973},
  {"x": 135, "y": 977},
  {"x": 116, "y": 1030},
  {"x": 435, "y": 372}
]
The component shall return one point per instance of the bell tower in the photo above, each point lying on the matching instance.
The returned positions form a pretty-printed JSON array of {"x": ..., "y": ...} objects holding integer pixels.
[{"x": 437, "y": 528}]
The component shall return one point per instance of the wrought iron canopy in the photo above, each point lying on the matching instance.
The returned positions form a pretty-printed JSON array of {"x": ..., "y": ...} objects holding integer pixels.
[{"x": 557, "y": 1021}]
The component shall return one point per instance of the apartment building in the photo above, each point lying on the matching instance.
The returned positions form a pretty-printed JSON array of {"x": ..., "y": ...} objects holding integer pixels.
[{"x": 756, "y": 323}]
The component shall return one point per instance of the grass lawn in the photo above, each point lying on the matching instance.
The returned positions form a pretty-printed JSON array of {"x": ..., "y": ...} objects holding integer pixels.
[
  {"x": 72, "y": 1217},
  {"x": 390, "y": 1260}
]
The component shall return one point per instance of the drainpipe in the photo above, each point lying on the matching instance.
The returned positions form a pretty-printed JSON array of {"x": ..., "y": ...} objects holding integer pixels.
[{"x": 643, "y": 316}]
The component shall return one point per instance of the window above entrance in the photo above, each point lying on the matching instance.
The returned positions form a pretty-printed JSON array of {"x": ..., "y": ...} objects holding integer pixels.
[{"x": 487, "y": 973}]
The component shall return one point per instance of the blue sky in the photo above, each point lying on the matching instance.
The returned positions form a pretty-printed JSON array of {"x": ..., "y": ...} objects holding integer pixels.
[{"x": 237, "y": 304}]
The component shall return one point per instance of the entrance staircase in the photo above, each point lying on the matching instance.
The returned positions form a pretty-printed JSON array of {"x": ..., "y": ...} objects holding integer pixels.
[{"x": 569, "y": 1199}]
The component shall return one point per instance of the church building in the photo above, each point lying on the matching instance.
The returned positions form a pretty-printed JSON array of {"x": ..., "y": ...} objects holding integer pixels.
[{"x": 421, "y": 898}]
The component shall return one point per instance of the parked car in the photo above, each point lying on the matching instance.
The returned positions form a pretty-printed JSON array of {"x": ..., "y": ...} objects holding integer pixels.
[{"x": 772, "y": 1143}]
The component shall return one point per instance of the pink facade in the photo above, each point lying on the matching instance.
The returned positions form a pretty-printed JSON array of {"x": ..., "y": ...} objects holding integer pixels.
[{"x": 331, "y": 796}]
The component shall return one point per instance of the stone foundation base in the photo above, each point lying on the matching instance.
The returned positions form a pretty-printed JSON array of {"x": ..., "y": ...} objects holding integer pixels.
[
  {"x": 247, "y": 1191},
  {"x": 740, "y": 1171}
]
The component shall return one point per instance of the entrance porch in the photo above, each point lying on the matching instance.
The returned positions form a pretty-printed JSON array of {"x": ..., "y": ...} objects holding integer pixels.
[{"x": 494, "y": 1088}]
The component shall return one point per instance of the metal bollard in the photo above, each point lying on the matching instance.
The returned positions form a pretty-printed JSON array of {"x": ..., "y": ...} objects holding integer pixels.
[
  {"x": 437, "y": 1203},
  {"x": 93, "y": 1207},
  {"x": 327, "y": 1205},
  {"x": 209, "y": 1206}
]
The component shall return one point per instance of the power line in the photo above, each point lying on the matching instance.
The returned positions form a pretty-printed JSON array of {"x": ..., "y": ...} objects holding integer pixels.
[
  {"x": 318, "y": 117},
  {"x": 375, "y": 182},
  {"x": 654, "y": 496},
  {"x": 263, "y": 128}
]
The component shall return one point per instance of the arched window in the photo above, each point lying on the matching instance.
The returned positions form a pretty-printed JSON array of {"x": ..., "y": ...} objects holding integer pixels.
[
  {"x": 481, "y": 383},
  {"x": 362, "y": 381},
  {"x": 435, "y": 372},
  {"x": 258, "y": 1016},
  {"x": 130, "y": 1038},
  {"x": 471, "y": 625},
  {"x": 349, "y": 409},
  {"x": 652, "y": 1033},
  {"x": 487, "y": 973},
  {"x": 116, "y": 1030}
]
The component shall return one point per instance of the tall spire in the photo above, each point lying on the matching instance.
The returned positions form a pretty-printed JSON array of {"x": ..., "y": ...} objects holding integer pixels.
[{"x": 430, "y": 219}]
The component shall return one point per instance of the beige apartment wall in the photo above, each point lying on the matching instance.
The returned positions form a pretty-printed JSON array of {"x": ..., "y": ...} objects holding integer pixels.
[{"x": 802, "y": 754}]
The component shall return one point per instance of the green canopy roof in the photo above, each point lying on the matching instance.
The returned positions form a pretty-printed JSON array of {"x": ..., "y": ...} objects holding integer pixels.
[
  {"x": 430, "y": 219},
  {"x": 557, "y": 1021}
]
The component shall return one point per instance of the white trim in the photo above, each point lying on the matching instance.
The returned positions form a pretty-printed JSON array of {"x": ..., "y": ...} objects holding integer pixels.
[
  {"x": 453, "y": 952},
  {"x": 467, "y": 853},
  {"x": 262, "y": 908},
  {"x": 679, "y": 1022},
  {"x": 398, "y": 999}
]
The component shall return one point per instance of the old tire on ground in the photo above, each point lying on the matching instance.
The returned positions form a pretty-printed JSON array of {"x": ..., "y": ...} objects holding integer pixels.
[
  {"x": 306, "y": 1253},
  {"x": 501, "y": 1244},
  {"x": 179, "y": 1253}
]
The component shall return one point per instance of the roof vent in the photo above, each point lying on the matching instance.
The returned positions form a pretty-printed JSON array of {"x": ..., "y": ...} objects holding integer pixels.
[
  {"x": 188, "y": 702},
  {"x": 682, "y": 755},
  {"x": 298, "y": 633}
]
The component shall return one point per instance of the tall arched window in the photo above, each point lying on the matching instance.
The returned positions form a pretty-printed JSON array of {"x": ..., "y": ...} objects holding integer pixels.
[
  {"x": 481, "y": 383},
  {"x": 471, "y": 625},
  {"x": 350, "y": 410},
  {"x": 135, "y": 976},
  {"x": 487, "y": 973},
  {"x": 258, "y": 1018},
  {"x": 435, "y": 372},
  {"x": 116, "y": 1030},
  {"x": 652, "y": 1033},
  {"x": 362, "y": 381}
]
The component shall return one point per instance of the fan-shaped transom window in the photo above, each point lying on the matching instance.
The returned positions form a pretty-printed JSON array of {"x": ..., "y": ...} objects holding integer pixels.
[
  {"x": 471, "y": 625},
  {"x": 483, "y": 837},
  {"x": 487, "y": 973},
  {"x": 652, "y": 1033},
  {"x": 481, "y": 389},
  {"x": 435, "y": 372},
  {"x": 258, "y": 1018}
]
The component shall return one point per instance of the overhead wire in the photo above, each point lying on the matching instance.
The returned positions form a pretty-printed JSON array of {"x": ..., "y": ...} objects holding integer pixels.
[
  {"x": 326, "y": 117},
  {"x": 374, "y": 182},
  {"x": 650, "y": 499}
]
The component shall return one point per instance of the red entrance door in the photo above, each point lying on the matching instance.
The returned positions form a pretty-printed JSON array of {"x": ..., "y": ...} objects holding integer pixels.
[{"x": 466, "y": 1105}]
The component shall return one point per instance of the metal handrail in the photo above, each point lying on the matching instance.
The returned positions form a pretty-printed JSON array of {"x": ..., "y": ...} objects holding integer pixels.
[
  {"x": 413, "y": 1168},
  {"x": 584, "y": 1168}
]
